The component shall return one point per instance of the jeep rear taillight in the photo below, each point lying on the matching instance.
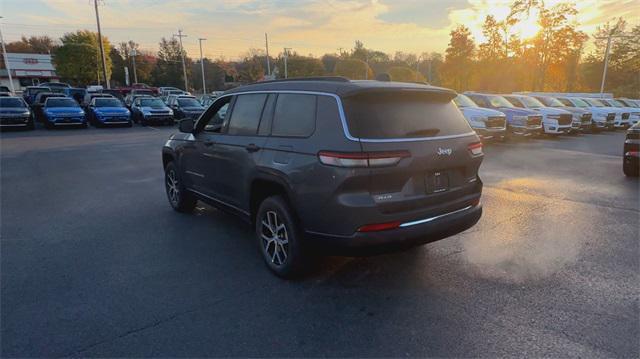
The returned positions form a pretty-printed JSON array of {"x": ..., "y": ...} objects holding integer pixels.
[
  {"x": 362, "y": 159},
  {"x": 475, "y": 149}
]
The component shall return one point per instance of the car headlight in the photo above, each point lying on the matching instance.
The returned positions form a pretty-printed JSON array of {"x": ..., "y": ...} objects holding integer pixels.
[
  {"x": 170, "y": 112},
  {"x": 479, "y": 120},
  {"x": 146, "y": 113},
  {"x": 26, "y": 113},
  {"x": 522, "y": 119},
  {"x": 553, "y": 117}
]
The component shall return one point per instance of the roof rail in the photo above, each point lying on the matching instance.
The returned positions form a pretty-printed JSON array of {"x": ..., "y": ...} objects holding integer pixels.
[{"x": 316, "y": 78}]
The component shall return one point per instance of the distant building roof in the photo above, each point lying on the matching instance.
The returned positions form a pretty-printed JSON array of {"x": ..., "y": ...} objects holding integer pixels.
[{"x": 26, "y": 65}]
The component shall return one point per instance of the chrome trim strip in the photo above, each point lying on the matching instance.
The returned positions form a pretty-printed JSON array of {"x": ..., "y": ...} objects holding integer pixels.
[
  {"x": 219, "y": 201},
  {"x": 67, "y": 123},
  {"x": 343, "y": 118},
  {"x": 14, "y": 125},
  {"x": 426, "y": 220},
  {"x": 115, "y": 123}
]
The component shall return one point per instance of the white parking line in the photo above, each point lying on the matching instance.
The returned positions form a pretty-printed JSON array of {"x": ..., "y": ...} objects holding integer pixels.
[{"x": 153, "y": 128}]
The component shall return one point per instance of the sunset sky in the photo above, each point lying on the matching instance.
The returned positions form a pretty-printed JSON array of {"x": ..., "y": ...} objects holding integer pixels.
[{"x": 309, "y": 27}]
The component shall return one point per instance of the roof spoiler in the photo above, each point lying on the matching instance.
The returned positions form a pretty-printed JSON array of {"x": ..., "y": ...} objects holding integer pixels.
[
  {"x": 316, "y": 78},
  {"x": 439, "y": 93}
]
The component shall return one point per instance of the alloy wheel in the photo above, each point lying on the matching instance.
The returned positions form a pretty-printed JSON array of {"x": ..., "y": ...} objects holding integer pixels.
[
  {"x": 172, "y": 187},
  {"x": 275, "y": 238}
]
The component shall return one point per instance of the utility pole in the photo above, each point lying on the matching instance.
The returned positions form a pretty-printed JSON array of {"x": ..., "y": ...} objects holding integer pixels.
[
  {"x": 104, "y": 59},
  {"x": 6, "y": 61},
  {"x": 204, "y": 86},
  {"x": 135, "y": 74},
  {"x": 180, "y": 35},
  {"x": 418, "y": 67},
  {"x": 606, "y": 55},
  {"x": 266, "y": 44},
  {"x": 286, "y": 57}
]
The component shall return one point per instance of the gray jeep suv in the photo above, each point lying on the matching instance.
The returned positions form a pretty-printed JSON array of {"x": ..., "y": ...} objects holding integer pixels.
[{"x": 329, "y": 163}]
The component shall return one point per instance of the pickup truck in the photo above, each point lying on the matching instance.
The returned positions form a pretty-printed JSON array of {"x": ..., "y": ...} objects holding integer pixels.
[
  {"x": 488, "y": 124},
  {"x": 554, "y": 121},
  {"x": 521, "y": 122}
]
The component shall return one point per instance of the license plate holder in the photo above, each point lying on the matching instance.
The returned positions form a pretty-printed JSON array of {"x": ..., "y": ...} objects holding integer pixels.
[{"x": 437, "y": 181}]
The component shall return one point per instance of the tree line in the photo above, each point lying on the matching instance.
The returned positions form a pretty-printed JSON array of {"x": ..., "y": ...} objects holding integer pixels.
[{"x": 553, "y": 59}]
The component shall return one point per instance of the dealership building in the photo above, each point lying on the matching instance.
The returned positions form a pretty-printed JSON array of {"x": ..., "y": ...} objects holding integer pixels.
[{"x": 28, "y": 70}]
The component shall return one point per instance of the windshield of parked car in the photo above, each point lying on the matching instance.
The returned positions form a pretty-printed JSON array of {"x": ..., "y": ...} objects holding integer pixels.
[
  {"x": 61, "y": 102},
  {"x": 552, "y": 102},
  {"x": 574, "y": 102},
  {"x": 499, "y": 101},
  {"x": 629, "y": 103},
  {"x": 36, "y": 91},
  {"x": 594, "y": 102},
  {"x": 108, "y": 102},
  {"x": 188, "y": 102},
  {"x": 11, "y": 102},
  {"x": 151, "y": 102},
  {"x": 464, "y": 101},
  {"x": 402, "y": 115},
  {"x": 616, "y": 103},
  {"x": 530, "y": 102}
]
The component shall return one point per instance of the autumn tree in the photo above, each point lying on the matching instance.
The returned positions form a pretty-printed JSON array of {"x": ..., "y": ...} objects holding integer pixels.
[
  {"x": 458, "y": 62},
  {"x": 78, "y": 59},
  {"x": 301, "y": 66},
  {"x": 33, "y": 45},
  {"x": 405, "y": 74},
  {"x": 168, "y": 69},
  {"x": 353, "y": 69}
]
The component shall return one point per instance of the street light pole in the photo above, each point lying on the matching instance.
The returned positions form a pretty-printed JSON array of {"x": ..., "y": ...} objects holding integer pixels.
[
  {"x": 180, "y": 35},
  {"x": 6, "y": 61},
  {"x": 133, "y": 56},
  {"x": 286, "y": 57},
  {"x": 104, "y": 59},
  {"x": 606, "y": 55},
  {"x": 266, "y": 43},
  {"x": 204, "y": 86}
]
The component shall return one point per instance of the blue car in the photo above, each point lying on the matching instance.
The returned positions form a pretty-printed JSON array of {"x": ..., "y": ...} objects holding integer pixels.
[
  {"x": 108, "y": 111},
  {"x": 63, "y": 111},
  {"x": 149, "y": 110},
  {"x": 521, "y": 122}
]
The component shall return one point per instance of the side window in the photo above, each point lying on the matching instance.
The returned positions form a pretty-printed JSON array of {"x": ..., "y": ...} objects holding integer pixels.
[
  {"x": 267, "y": 116},
  {"x": 213, "y": 121},
  {"x": 246, "y": 114},
  {"x": 294, "y": 116}
]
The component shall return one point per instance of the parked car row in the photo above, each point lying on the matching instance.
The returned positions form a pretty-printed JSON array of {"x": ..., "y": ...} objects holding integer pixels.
[{"x": 495, "y": 116}]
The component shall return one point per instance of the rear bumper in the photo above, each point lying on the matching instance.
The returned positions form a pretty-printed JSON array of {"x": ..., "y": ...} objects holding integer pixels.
[{"x": 412, "y": 233}]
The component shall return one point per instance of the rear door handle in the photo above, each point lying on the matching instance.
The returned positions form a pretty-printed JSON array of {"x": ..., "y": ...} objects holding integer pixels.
[{"x": 252, "y": 148}]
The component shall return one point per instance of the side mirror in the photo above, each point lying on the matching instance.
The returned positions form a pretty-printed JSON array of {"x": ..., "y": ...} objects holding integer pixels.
[{"x": 186, "y": 126}]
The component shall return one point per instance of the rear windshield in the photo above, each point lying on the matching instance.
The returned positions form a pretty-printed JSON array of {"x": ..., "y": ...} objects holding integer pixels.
[
  {"x": 402, "y": 115},
  {"x": 188, "y": 102},
  {"x": 11, "y": 102},
  {"x": 61, "y": 102}
]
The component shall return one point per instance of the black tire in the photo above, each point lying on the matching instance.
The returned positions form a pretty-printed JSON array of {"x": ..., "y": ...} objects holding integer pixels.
[
  {"x": 179, "y": 198},
  {"x": 630, "y": 171},
  {"x": 129, "y": 124},
  {"x": 283, "y": 251}
]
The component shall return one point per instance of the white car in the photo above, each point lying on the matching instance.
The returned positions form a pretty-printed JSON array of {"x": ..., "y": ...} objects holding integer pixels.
[
  {"x": 488, "y": 124},
  {"x": 602, "y": 117},
  {"x": 554, "y": 121},
  {"x": 621, "y": 117},
  {"x": 581, "y": 117},
  {"x": 634, "y": 113}
]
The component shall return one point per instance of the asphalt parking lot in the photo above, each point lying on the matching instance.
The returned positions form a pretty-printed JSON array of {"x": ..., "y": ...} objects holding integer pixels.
[{"x": 94, "y": 262}]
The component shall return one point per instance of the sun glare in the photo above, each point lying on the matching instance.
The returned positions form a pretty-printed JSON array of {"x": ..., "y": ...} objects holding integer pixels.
[{"x": 527, "y": 27}]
